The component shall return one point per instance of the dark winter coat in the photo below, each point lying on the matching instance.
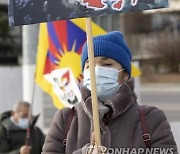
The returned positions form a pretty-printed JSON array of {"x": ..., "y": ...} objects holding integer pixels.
[
  {"x": 12, "y": 137},
  {"x": 119, "y": 123}
]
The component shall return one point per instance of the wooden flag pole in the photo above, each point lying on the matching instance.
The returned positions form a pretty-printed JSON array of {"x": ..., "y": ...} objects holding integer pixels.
[
  {"x": 28, "y": 131},
  {"x": 95, "y": 107}
]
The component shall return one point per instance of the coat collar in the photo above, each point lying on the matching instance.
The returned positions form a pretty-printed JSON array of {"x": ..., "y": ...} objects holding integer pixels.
[{"x": 117, "y": 104}]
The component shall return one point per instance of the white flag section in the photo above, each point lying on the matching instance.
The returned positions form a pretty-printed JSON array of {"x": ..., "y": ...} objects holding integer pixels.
[{"x": 65, "y": 86}]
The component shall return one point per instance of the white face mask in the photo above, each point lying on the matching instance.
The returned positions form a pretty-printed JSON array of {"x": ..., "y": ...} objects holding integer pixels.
[
  {"x": 23, "y": 123},
  {"x": 106, "y": 81}
]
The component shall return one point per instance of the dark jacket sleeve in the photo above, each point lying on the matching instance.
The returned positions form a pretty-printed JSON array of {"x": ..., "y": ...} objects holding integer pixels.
[
  {"x": 41, "y": 138},
  {"x": 4, "y": 143},
  {"x": 54, "y": 139},
  {"x": 160, "y": 130}
]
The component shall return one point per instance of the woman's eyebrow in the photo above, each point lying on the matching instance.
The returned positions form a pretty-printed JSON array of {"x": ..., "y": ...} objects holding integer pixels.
[{"x": 104, "y": 59}]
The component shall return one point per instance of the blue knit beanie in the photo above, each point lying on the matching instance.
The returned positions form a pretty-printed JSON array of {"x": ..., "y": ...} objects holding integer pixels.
[{"x": 111, "y": 45}]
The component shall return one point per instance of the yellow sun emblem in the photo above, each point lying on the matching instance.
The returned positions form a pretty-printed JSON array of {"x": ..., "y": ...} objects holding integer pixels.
[{"x": 70, "y": 59}]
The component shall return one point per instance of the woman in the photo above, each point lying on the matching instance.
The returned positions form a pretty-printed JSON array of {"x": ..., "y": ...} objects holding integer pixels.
[{"x": 120, "y": 122}]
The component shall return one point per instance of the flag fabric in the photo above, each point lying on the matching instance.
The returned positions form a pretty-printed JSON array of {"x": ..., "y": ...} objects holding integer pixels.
[{"x": 58, "y": 67}]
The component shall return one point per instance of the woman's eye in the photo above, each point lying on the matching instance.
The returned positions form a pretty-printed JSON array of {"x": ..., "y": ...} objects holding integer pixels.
[
  {"x": 87, "y": 67},
  {"x": 108, "y": 64}
]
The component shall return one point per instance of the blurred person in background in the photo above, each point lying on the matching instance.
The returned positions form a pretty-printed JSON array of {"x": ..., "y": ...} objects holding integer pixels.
[{"x": 13, "y": 131}]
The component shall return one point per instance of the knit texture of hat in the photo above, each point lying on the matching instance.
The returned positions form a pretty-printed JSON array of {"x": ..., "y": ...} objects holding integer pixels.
[{"x": 111, "y": 45}]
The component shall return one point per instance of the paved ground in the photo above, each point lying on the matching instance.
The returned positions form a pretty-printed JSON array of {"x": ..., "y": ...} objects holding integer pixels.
[
  {"x": 165, "y": 96},
  {"x": 175, "y": 126}
]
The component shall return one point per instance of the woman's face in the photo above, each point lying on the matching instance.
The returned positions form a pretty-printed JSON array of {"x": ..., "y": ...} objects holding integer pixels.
[{"x": 108, "y": 62}]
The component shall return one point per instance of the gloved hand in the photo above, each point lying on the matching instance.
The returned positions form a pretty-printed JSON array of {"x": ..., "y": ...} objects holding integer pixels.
[{"x": 93, "y": 148}]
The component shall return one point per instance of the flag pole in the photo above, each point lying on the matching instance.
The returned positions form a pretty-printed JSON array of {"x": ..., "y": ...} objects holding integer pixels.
[
  {"x": 28, "y": 131},
  {"x": 95, "y": 107}
]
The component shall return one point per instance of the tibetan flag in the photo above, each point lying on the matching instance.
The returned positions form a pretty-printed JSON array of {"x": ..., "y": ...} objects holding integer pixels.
[{"x": 58, "y": 67}]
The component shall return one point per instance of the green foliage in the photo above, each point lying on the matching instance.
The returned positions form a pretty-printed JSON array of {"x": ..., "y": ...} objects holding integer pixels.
[
  {"x": 8, "y": 43},
  {"x": 4, "y": 29}
]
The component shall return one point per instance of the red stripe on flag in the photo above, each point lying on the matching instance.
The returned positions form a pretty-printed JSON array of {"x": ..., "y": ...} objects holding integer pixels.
[
  {"x": 80, "y": 49},
  {"x": 61, "y": 31},
  {"x": 52, "y": 48},
  {"x": 49, "y": 66}
]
